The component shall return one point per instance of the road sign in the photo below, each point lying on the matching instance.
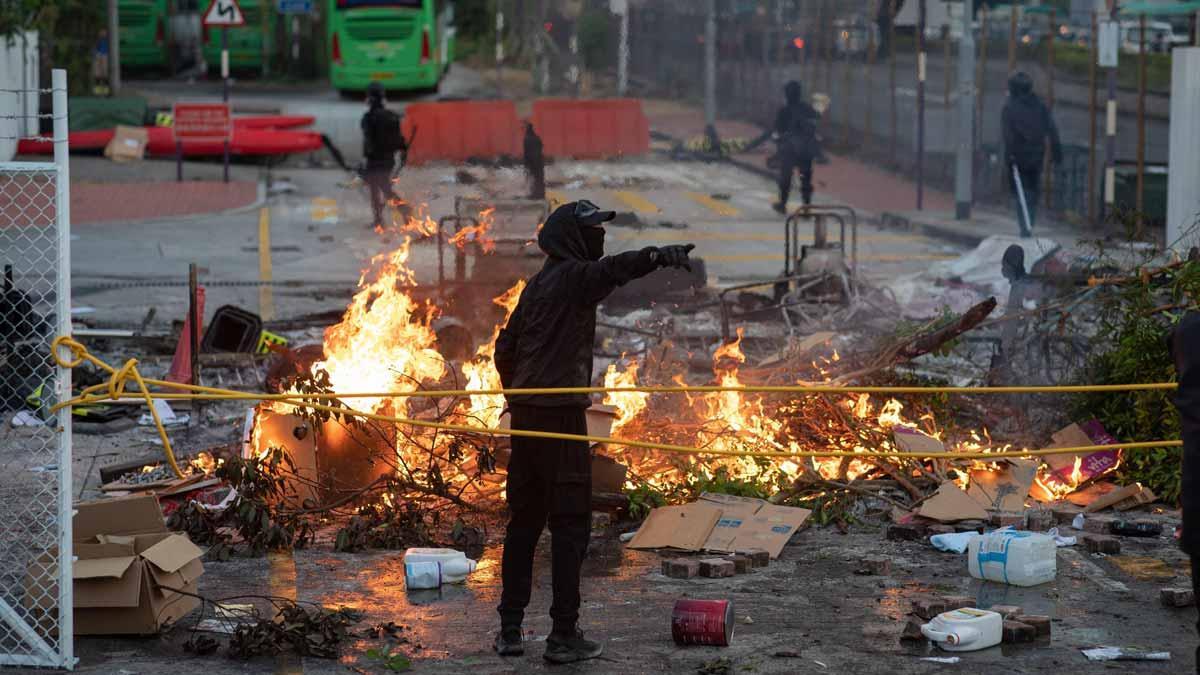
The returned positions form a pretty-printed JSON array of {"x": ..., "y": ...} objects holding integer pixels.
[
  {"x": 224, "y": 13},
  {"x": 1108, "y": 45},
  {"x": 202, "y": 122},
  {"x": 294, "y": 6}
]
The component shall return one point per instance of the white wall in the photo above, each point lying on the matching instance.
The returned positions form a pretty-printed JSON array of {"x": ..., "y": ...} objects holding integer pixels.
[
  {"x": 1183, "y": 197},
  {"x": 18, "y": 70}
]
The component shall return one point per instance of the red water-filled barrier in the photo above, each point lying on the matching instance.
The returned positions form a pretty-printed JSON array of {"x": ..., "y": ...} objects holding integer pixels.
[
  {"x": 460, "y": 130},
  {"x": 258, "y": 135},
  {"x": 591, "y": 129}
]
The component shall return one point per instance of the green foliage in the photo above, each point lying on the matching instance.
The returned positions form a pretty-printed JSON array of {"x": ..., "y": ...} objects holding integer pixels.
[
  {"x": 1135, "y": 330},
  {"x": 595, "y": 38},
  {"x": 68, "y": 30},
  {"x": 384, "y": 526},
  {"x": 390, "y": 660},
  {"x": 723, "y": 483},
  {"x": 643, "y": 499},
  {"x": 316, "y": 632}
]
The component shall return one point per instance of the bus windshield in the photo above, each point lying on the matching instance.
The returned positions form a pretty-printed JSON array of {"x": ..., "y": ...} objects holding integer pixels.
[{"x": 352, "y": 4}]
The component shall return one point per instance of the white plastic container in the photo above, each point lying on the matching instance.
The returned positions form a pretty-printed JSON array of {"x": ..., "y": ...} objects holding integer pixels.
[
  {"x": 432, "y": 567},
  {"x": 965, "y": 630},
  {"x": 1013, "y": 557}
]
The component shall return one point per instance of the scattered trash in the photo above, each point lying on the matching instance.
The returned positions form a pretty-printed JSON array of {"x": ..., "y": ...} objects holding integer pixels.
[
  {"x": 1012, "y": 557},
  {"x": 1135, "y": 528},
  {"x": 965, "y": 629},
  {"x": 282, "y": 186},
  {"x": 1059, "y": 540},
  {"x": 165, "y": 414},
  {"x": 702, "y": 622},
  {"x": 718, "y": 522},
  {"x": 128, "y": 144},
  {"x": 941, "y": 659},
  {"x": 786, "y": 654},
  {"x": 627, "y": 536},
  {"x": 747, "y": 620},
  {"x": 1124, "y": 654},
  {"x": 426, "y": 568},
  {"x": 953, "y": 543},
  {"x": 228, "y": 617},
  {"x": 24, "y": 418},
  {"x": 949, "y": 504},
  {"x": 1078, "y": 521}
]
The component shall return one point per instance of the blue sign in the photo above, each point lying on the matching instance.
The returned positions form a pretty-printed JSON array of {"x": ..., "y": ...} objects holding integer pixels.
[{"x": 294, "y": 6}]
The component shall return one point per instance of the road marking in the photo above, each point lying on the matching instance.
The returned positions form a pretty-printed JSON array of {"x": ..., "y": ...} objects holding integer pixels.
[
  {"x": 721, "y": 208},
  {"x": 671, "y": 234},
  {"x": 324, "y": 210},
  {"x": 281, "y": 580},
  {"x": 266, "y": 297},
  {"x": 635, "y": 201},
  {"x": 556, "y": 199}
]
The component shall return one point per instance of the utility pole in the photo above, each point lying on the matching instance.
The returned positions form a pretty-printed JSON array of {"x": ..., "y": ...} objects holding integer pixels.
[
  {"x": 710, "y": 69},
  {"x": 920, "y": 105},
  {"x": 114, "y": 48},
  {"x": 966, "y": 116}
]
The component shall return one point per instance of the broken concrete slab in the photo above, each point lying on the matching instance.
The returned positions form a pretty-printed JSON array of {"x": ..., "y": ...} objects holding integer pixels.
[{"x": 1177, "y": 597}]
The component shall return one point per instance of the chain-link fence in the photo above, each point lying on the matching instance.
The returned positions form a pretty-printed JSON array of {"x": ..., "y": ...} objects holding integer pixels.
[{"x": 35, "y": 444}]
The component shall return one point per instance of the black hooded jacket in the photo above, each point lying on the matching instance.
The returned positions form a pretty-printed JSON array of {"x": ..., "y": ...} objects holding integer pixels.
[
  {"x": 1185, "y": 347},
  {"x": 1026, "y": 123},
  {"x": 796, "y": 122},
  {"x": 548, "y": 339}
]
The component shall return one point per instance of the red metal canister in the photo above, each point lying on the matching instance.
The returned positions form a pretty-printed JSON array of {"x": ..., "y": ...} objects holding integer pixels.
[{"x": 702, "y": 622}]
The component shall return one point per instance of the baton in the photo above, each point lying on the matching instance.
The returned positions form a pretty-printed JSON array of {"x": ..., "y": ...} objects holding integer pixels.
[{"x": 1021, "y": 197}]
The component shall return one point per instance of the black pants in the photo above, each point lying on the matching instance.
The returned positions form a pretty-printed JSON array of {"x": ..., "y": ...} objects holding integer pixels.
[
  {"x": 537, "y": 180},
  {"x": 790, "y": 162},
  {"x": 1031, "y": 183},
  {"x": 547, "y": 480},
  {"x": 1196, "y": 593},
  {"x": 379, "y": 182}
]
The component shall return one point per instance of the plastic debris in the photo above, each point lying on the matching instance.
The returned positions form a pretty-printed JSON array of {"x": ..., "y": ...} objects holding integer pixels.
[
  {"x": 1061, "y": 541},
  {"x": 956, "y": 542},
  {"x": 1124, "y": 654}
]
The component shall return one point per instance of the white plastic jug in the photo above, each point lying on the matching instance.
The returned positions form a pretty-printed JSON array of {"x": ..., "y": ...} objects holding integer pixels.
[
  {"x": 1013, "y": 557},
  {"x": 432, "y": 567},
  {"x": 965, "y": 630}
]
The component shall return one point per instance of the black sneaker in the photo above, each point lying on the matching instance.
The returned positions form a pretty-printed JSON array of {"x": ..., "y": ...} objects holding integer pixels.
[
  {"x": 779, "y": 208},
  {"x": 571, "y": 648},
  {"x": 508, "y": 642}
]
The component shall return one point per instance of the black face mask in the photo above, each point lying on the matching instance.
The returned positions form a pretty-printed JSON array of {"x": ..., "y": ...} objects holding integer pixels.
[{"x": 593, "y": 238}]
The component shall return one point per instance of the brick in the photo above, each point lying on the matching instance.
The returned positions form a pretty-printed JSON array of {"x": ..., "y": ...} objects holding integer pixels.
[
  {"x": 741, "y": 563},
  {"x": 970, "y": 526},
  {"x": 681, "y": 568},
  {"x": 875, "y": 565},
  {"x": 1015, "y": 632},
  {"x": 1013, "y": 520},
  {"x": 1102, "y": 543},
  {"x": 1007, "y": 611},
  {"x": 957, "y": 601},
  {"x": 1065, "y": 513},
  {"x": 927, "y": 608},
  {"x": 1040, "y": 520},
  {"x": 905, "y": 532},
  {"x": 912, "y": 629},
  {"x": 1094, "y": 524},
  {"x": 1177, "y": 597},
  {"x": 715, "y": 568},
  {"x": 759, "y": 557},
  {"x": 1040, "y": 623},
  {"x": 940, "y": 529}
]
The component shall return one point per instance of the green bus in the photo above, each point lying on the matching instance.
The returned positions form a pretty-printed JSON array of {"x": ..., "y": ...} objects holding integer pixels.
[
  {"x": 144, "y": 39},
  {"x": 403, "y": 44},
  {"x": 249, "y": 43}
]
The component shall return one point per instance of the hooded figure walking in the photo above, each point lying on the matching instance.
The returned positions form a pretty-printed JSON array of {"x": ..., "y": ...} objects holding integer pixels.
[
  {"x": 796, "y": 130},
  {"x": 1027, "y": 125},
  {"x": 548, "y": 343},
  {"x": 382, "y": 139}
]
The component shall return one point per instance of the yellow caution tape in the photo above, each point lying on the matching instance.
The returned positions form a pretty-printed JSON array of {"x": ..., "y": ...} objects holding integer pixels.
[{"x": 114, "y": 389}]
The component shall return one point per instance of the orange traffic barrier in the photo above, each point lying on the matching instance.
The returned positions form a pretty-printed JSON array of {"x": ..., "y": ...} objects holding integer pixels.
[
  {"x": 591, "y": 129},
  {"x": 460, "y": 130}
]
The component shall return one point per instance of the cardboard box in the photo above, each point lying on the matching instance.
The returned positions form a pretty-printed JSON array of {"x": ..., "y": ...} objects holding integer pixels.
[
  {"x": 721, "y": 523},
  {"x": 1005, "y": 489},
  {"x": 128, "y": 144},
  {"x": 129, "y": 568}
]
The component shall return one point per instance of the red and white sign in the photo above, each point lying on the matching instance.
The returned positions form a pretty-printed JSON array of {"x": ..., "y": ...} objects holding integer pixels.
[
  {"x": 202, "y": 121},
  {"x": 224, "y": 13}
]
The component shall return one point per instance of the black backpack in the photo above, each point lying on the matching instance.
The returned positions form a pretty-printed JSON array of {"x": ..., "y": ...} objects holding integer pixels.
[{"x": 386, "y": 127}]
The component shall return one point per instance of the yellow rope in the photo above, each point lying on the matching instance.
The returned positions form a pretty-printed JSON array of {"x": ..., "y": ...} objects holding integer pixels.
[{"x": 114, "y": 389}]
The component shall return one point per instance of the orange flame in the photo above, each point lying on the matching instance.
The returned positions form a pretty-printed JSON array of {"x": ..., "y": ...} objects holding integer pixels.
[
  {"x": 484, "y": 410},
  {"x": 628, "y": 403},
  {"x": 477, "y": 233}
]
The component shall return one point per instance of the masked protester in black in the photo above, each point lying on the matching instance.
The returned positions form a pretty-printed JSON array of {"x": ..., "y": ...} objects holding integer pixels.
[
  {"x": 535, "y": 163},
  {"x": 1185, "y": 348},
  {"x": 1027, "y": 124},
  {"x": 381, "y": 142},
  {"x": 796, "y": 128},
  {"x": 547, "y": 343}
]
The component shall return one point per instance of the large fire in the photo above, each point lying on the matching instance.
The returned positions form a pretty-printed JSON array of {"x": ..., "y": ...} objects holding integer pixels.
[{"x": 385, "y": 343}]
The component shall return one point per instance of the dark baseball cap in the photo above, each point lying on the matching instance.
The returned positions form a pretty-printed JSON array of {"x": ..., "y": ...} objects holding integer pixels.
[{"x": 587, "y": 213}]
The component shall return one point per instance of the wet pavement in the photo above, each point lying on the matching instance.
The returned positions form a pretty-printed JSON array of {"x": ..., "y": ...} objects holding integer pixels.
[{"x": 808, "y": 612}]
